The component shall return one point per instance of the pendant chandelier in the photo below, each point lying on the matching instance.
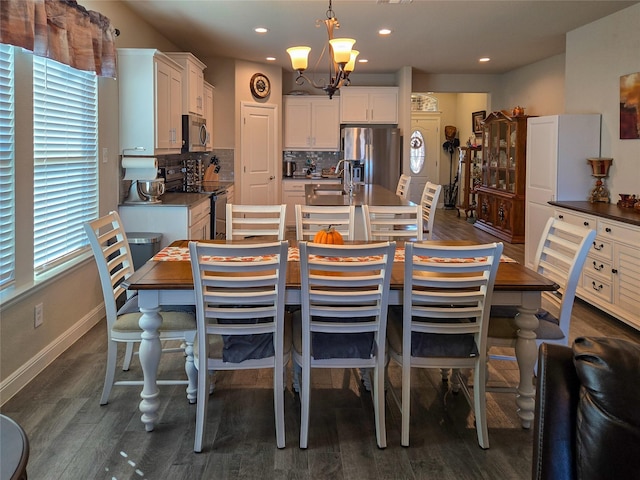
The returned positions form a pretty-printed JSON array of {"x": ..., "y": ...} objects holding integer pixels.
[{"x": 341, "y": 62}]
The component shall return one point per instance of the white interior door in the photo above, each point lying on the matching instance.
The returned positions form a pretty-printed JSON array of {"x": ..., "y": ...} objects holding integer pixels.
[
  {"x": 424, "y": 161},
  {"x": 258, "y": 132}
]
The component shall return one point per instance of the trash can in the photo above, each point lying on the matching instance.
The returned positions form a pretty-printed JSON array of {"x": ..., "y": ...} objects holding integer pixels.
[{"x": 143, "y": 245}]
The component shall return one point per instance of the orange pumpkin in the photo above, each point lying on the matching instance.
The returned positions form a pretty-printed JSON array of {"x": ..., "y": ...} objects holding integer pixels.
[{"x": 328, "y": 235}]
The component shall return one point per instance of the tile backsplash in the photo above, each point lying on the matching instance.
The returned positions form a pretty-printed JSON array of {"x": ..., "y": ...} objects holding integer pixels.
[{"x": 319, "y": 159}]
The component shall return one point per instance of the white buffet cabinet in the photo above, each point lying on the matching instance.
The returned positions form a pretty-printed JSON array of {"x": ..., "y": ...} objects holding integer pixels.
[
  {"x": 181, "y": 216},
  {"x": 611, "y": 274},
  {"x": 293, "y": 193}
]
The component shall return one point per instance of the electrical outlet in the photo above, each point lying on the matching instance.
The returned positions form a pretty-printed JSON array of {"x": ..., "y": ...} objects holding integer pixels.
[{"x": 38, "y": 315}]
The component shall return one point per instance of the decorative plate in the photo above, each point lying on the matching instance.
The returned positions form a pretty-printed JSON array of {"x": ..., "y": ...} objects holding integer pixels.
[{"x": 260, "y": 85}]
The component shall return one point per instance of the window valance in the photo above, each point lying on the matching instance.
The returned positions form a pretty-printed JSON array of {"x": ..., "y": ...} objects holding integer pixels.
[{"x": 61, "y": 30}]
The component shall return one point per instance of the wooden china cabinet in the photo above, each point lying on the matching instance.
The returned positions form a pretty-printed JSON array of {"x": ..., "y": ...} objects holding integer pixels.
[{"x": 501, "y": 194}]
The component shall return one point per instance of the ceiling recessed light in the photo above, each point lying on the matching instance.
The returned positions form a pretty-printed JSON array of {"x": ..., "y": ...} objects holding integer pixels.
[
  {"x": 384, "y": 31},
  {"x": 260, "y": 30},
  {"x": 484, "y": 59},
  {"x": 271, "y": 59}
]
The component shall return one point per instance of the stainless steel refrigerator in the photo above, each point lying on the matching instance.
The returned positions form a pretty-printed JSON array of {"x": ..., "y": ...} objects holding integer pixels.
[{"x": 378, "y": 151}]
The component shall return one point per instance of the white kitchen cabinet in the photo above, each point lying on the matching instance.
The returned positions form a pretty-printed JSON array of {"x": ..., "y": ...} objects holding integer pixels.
[
  {"x": 208, "y": 113},
  {"x": 150, "y": 99},
  {"x": 175, "y": 222},
  {"x": 293, "y": 194},
  {"x": 369, "y": 105},
  {"x": 557, "y": 170},
  {"x": 311, "y": 123},
  {"x": 192, "y": 82},
  {"x": 611, "y": 272}
]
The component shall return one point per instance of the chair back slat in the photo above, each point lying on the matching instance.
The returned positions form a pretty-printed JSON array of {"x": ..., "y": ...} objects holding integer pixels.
[
  {"x": 310, "y": 219},
  {"x": 255, "y": 220}
]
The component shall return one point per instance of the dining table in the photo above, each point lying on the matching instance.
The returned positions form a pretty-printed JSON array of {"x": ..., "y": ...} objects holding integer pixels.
[{"x": 166, "y": 279}]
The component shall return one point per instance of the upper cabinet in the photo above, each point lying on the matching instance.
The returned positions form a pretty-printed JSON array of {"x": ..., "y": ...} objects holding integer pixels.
[
  {"x": 208, "y": 113},
  {"x": 150, "y": 96},
  {"x": 311, "y": 123},
  {"x": 369, "y": 105},
  {"x": 192, "y": 82},
  {"x": 501, "y": 194}
]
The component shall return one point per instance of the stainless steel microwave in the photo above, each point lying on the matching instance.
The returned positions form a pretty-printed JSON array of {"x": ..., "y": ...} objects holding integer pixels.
[{"x": 194, "y": 133}]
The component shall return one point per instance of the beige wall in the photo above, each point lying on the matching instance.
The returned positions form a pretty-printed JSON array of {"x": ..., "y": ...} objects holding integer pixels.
[{"x": 598, "y": 54}]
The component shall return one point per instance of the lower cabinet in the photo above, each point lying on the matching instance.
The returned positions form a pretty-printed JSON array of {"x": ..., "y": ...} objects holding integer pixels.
[
  {"x": 612, "y": 270},
  {"x": 174, "y": 222},
  {"x": 502, "y": 216}
]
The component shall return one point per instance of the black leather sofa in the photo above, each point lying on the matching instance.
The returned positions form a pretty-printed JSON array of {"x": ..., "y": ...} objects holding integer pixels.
[{"x": 587, "y": 423}]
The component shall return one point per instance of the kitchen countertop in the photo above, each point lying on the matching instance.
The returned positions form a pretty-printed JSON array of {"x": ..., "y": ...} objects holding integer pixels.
[
  {"x": 605, "y": 210},
  {"x": 363, "y": 194},
  {"x": 174, "y": 199}
]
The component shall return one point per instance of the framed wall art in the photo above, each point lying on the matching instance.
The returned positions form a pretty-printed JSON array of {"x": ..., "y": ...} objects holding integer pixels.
[
  {"x": 476, "y": 121},
  {"x": 630, "y": 106}
]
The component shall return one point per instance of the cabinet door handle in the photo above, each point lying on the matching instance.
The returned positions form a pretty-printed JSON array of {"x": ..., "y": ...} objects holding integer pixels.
[
  {"x": 614, "y": 270},
  {"x": 597, "y": 288},
  {"x": 600, "y": 247},
  {"x": 561, "y": 217},
  {"x": 608, "y": 230},
  {"x": 596, "y": 267},
  {"x": 586, "y": 224}
]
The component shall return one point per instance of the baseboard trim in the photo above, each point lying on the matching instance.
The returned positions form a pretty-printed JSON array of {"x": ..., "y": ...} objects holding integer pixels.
[{"x": 21, "y": 377}]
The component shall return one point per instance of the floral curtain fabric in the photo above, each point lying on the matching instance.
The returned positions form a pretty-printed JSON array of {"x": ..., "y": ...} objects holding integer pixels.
[{"x": 61, "y": 30}]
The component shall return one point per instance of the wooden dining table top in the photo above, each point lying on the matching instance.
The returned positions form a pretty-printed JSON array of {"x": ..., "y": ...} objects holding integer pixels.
[{"x": 176, "y": 275}]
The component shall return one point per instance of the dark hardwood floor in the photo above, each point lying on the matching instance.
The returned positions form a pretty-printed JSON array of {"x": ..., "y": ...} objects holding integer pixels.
[{"x": 73, "y": 437}]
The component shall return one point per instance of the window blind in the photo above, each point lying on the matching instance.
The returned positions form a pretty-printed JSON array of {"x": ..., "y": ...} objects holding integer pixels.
[
  {"x": 65, "y": 144},
  {"x": 7, "y": 197}
]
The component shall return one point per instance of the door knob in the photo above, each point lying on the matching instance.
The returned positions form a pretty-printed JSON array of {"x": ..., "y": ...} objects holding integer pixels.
[{"x": 271, "y": 177}]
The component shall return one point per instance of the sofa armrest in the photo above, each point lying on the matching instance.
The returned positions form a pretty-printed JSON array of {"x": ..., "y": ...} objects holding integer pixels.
[{"x": 557, "y": 396}]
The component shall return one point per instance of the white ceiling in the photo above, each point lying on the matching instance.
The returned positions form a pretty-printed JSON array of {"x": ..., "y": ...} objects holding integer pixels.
[{"x": 431, "y": 36}]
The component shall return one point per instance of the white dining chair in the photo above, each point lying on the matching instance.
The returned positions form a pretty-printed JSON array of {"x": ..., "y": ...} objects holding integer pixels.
[
  {"x": 311, "y": 219},
  {"x": 342, "y": 322},
  {"x": 443, "y": 321},
  {"x": 561, "y": 255},
  {"x": 429, "y": 204},
  {"x": 115, "y": 264},
  {"x": 402, "y": 189},
  {"x": 239, "y": 291},
  {"x": 266, "y": 221},
  {"x": 396, "y": 222}
]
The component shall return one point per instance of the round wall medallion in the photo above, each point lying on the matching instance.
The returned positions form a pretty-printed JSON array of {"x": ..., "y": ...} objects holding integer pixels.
[{"x": 260, "y": 85}]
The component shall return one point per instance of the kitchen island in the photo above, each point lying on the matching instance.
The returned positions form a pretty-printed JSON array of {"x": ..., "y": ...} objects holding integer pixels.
[{"x": 322, "y": 194}]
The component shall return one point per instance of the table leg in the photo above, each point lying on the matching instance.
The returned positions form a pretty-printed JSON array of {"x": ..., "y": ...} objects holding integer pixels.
[
  {"x": 527, "y": 355},
  {"x": 150, "y": 351}
]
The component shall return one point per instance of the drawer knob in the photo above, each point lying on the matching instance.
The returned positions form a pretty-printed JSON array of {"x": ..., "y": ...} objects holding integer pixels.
[
  {"x": 596, "y": 267},
  {"x": 597, "y": 288},
  {"x": 598, "y": 247},
  {"x": 561, "y": 217},
  {"x": 614, "y": 270},
  {"x": 608, "y": 230},
  {"x": 586, "y": 224}
]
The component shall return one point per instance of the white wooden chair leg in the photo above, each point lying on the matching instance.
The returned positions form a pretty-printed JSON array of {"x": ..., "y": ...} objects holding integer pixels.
[
  {"x": 128, "y": 356},
  {"x": 305, "y": 393},
  {"x": 378, "y": 394},
  {"x": 190, "y": 369},
  {"x": 201, "y": 409},
  {"x": 406, "y": 402},
  {"x": 278, "y": 402},
  {"x": 109, "y": 376},
  {"x": 480, "y": 406}
]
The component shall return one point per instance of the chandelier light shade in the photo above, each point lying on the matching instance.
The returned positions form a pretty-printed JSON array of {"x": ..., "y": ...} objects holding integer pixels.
[{"x": 343, "y": 58}]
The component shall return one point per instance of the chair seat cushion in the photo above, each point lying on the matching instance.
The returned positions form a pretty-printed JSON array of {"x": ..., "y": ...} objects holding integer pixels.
[
  {"x": 608, "y": 419},
  {"x": 170, "y": 321},
  {"x": 238, "y": 348},
  {"x": 429, "y": 344},
  {"x": 502, "y": 324},
  {"x": 174, "y": 317},
  {"x": 325, "y": 346}
]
